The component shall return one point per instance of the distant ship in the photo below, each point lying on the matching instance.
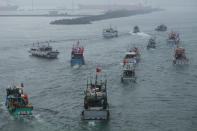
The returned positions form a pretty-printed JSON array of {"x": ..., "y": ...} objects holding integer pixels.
[
  {"x": 110, "y": 32},
  {"x": 9, "y": 8},
  {"x": 113, "y": 7}
]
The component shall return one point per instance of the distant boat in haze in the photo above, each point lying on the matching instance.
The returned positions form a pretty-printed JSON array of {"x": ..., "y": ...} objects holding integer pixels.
[
  {"x": 113, "y": 7},
  {"x": 8, "y": 8}
]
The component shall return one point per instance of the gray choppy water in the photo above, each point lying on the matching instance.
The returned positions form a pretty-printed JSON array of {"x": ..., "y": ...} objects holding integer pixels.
[{"x": 164, "y": 97}]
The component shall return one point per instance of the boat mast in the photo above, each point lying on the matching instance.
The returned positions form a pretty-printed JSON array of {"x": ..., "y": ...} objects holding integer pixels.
[
  {"x": 96, "y": 79},
  {"x": 32, "y": 5}
]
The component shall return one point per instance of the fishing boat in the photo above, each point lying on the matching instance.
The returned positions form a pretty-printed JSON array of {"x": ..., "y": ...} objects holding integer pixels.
[
  {"x": 151, "y": 43},
  {"x": 179, "y": 56},
  {"x": 136, "y": 29},
  {"x": 77, "y": 57},
  {"x": 132, "y": 56},
  {"x": 174, "y": 37},
  {"x": 135, "y": 55},
  {"x": 17, "y": 101},
  {"x": 110, "y": 33},
  {"x": 95, "y": 101},
  {"x": 43, "y": 50},
  {"x": 161, "y": 28},
  {"x": 128, "y": 72}
]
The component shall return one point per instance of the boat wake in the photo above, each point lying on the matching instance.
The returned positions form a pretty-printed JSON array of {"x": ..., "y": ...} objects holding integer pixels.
[
  {"x": 140, "y": 34},
  {"x": 2, "y": 107},
  {"x": 76, "y": 66},
  {"x": 91, "y": 123}
]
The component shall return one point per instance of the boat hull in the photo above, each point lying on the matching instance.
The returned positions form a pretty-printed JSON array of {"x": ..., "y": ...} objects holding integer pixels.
[
  {"x": 50, "y": 55},
  {"x": 110, "y": 34},
  {"x": 151, "y": 46},
  {"x": 77, "y": 62},
  {"x": 128, "y": 79},
  {"x": 173, "y": 41},
  {"x": 160, "y": 29},
  {"x": 20, "y": 110},
  {"x": 136, "y": 31},
  {"x": 180, "y": 62}
]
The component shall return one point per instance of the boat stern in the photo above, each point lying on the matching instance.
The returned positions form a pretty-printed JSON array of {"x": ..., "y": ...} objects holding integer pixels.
[
  {"x": 53, "y": 54},
  {"x": 77, "y": 62},
  {"x": 95, "y": 114}
]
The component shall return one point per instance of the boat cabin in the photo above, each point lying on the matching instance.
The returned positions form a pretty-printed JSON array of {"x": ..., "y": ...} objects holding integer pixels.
[
  {"x": 180, "y": 53},
  {"x": 130, "y": 55}
]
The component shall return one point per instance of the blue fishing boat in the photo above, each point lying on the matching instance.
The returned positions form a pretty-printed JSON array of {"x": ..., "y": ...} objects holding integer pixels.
[
  {"x": 161, "y": 28},
  {"x": 77, "y": 57},
  {"x": 151, "y": 43},
  {"x": 136, "y": 29}
]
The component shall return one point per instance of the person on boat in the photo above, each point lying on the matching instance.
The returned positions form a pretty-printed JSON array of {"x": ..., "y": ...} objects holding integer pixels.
[
  {"x": 135, "y": 49},
  {"x": 178, "y": 56},
  {"x": 8, "y": 90},
  {"x": 134, "y": 61}
]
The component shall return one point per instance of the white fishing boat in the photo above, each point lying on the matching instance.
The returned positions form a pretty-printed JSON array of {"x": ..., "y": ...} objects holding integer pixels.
[
  {"x": 43, "y": 50},
  {"x": 110, "y": 33},
  {"x": 128, "y": 72},
  {"x": 173, "y": 37}
]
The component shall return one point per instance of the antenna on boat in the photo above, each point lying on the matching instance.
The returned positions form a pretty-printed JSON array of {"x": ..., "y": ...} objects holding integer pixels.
[
  {"x": 105, "y": 82},
  {"x": 47, "y": 42},
  {"x": 12, "y": 83},
  {"x": 97, "y": 71},
  {"x": 32, "y": 5},
  {"x": 100, "y": 79},
  {"x": 87, "y": 82},
  {"x": 96, "y": 80},
  {"x": 90, "y": 79}
]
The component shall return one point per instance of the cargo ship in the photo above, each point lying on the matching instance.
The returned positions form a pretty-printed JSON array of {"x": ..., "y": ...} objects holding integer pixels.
[
  {"x": 113, "y": 7},
  {"x": 8, "y": 8}
]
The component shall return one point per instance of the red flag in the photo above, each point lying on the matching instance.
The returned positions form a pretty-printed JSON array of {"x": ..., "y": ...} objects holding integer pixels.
[
  {"x": 98, "y": 70},
  {"x": 22, "y": 85}
]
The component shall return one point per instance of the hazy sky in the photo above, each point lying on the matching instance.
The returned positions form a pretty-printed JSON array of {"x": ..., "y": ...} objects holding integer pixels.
[{"x": 68, "y": 3}]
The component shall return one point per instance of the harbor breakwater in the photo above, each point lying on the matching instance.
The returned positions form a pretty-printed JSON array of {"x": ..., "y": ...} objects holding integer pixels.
[{"x": 107, "y": 15}]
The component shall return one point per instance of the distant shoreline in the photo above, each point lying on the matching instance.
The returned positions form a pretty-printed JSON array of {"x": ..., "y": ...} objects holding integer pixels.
[
  {"x": 107, "y": 15},
  {"x": 44, "y": 15}
]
